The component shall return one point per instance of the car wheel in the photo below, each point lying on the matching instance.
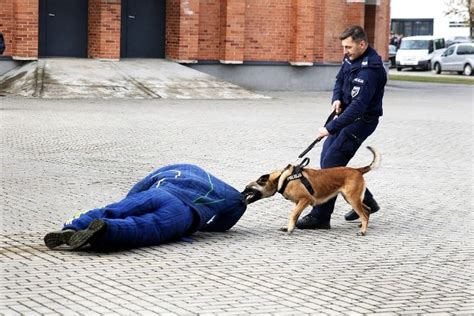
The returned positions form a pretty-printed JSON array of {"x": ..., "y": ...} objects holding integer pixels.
[
  {"x": 437, "y": 68},
  {"x": 399, "y": 68},
  {"x": 468, "y": 70}
]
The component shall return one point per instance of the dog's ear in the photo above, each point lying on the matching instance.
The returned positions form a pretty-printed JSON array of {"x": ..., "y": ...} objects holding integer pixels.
[{"x": 263, "y": 179}]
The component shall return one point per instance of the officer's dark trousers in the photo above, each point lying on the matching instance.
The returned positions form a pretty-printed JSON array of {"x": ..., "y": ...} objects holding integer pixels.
[{"x": 338, "y": 150}]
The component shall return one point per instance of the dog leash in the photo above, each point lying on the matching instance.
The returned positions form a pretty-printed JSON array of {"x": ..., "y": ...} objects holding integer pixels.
[
  {"x": 317, "y": 140},
  {"x": 297, "y": 173}
]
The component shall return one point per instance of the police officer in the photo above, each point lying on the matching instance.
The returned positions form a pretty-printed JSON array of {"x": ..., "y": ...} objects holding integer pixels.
[{"x": 357, "y": 101}]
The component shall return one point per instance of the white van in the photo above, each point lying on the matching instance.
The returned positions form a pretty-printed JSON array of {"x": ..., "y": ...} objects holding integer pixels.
[{"x": 417, "y": 51}]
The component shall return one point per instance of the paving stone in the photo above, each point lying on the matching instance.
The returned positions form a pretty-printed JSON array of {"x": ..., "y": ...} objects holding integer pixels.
[{"x": 59, "y": 157}]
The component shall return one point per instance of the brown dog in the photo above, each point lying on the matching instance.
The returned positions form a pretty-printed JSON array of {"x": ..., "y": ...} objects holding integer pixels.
[{"x": 312, "y": 187}]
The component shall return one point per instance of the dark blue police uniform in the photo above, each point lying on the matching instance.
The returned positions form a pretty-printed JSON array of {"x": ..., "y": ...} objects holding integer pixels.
[{"x": 360, "y": 87}]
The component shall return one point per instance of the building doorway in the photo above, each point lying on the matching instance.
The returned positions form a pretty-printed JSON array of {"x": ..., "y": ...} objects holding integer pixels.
[
  {"x": 63, "y": 28},
  {"x": 143, "y": 29}
]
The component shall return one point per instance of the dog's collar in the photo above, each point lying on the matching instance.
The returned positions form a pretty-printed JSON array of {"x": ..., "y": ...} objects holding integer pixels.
[{"x": 295, "y": 175}]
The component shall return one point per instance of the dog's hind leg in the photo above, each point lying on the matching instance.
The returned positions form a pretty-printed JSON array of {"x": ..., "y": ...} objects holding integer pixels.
[
  {"x": 355, "y": 200},
  {"x": 295, "y": 214}
]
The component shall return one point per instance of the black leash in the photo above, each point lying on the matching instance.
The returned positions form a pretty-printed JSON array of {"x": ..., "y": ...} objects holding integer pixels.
[
  {"x": 317, "y": 140},
  {"x": 298, "y": 168}
]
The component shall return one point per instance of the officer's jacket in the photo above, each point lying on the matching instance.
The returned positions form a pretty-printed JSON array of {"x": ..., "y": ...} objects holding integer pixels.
[
  {"x": 218, "y": 204},
  {"x": 360, "y": 87}
]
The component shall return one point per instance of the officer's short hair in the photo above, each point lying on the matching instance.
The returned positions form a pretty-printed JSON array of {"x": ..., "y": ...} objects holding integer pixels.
[{"x": 356, "y": 32}]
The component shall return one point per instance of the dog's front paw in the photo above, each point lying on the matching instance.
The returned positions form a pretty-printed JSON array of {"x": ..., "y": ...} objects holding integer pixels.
[{"x": 284, "y": 228}]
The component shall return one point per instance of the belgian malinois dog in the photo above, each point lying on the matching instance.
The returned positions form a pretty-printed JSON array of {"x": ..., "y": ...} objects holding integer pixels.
[{"x": 313, "y": 187}]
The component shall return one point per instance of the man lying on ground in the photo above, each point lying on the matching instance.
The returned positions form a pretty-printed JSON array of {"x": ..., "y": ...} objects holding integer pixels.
[{"x": 170, "y": 203}]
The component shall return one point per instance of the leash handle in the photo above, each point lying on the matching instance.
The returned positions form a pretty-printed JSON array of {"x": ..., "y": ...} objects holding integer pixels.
[{"x": 304, "y": 163}]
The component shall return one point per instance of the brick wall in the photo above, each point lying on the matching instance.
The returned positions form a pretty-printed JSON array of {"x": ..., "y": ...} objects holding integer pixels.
[
  {"x": 182, "y": 29},
  {"x": 7, "y": 26},
  {"x": 19, "y": 23},
  {"x": 295, "y": 31},
  {"x": 267, "y": 33},
  {"x": 209, "y": 26},
  {"x": 104, "y": 29},
  {"x": 382, "y": 28},
  {"x": 232, "y": 34},
  {"x": 302, "y": 31},
  {"x": 25, "y": 15}
]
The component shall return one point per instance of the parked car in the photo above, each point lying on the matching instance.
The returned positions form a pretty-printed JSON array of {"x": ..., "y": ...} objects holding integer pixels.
[
  {"x": 392, "y": 52},
  {"x": 458, "y": 40},
  {"x": 457, "y": 57},
  {"x": 417, "y": 51}
]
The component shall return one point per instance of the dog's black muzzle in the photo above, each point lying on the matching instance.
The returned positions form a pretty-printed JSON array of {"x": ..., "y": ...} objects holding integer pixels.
[{"x": 251, "y": 195}]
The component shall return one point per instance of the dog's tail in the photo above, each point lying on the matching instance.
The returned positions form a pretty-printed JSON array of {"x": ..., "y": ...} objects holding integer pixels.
[{"x": 375, "y": 162}]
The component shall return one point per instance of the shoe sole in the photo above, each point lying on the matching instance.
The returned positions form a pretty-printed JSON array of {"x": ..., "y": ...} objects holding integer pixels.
[
  {"x": 58, "y": 238},
  {"x": 82, "y": 237}
]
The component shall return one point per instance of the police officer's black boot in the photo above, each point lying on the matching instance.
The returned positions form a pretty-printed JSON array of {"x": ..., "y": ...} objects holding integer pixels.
[
  {"x": 312, "y": 222},
  {"x": 371, "y": 203}
]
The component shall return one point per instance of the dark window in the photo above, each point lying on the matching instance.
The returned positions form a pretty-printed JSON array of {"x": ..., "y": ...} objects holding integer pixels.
[
  {"x": 465, "y": 50},
  {"x": 439, "y": 43},
  {"x": 412, "y": 27}
]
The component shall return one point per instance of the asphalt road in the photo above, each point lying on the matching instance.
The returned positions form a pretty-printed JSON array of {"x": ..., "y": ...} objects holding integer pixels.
[{"x": 64, "y": 156}]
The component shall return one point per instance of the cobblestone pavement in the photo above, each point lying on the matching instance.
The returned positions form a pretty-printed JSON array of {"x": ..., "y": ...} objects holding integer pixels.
[{"x": 63, "y": 156}]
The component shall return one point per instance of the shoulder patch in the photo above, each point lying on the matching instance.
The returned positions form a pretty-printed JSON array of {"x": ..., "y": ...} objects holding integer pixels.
[
  {"x": 355, "y": 91},
  {"x": 358, "y": 80},
  {"x": 365, "y": 62}
]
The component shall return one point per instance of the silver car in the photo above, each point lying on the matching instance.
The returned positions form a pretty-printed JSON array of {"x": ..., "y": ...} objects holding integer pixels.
[{"x": 457, "y": 57}]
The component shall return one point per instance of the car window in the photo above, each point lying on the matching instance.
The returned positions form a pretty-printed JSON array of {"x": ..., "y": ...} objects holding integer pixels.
[
  {"x": 449, "y": 51},
  {"x": 414, "y": 44},
  {"x": 465, "y": 50},
  {"x": 439, "y": 43}
]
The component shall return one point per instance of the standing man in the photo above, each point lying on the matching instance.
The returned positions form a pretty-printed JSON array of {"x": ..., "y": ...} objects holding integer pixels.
[{"x": 357, "y": 100}]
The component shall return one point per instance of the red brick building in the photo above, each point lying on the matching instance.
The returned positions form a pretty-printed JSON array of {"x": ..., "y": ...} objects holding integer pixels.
[{"x": 292, "y": 32}]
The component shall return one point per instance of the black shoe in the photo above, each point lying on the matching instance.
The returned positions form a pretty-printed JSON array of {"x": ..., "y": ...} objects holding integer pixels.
[
  {"x": 312, "y": 222},
  {"x": 83, "y": 237},
  {"x": 58, "y": 238},
  {"x": 373, "y": 207}
]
